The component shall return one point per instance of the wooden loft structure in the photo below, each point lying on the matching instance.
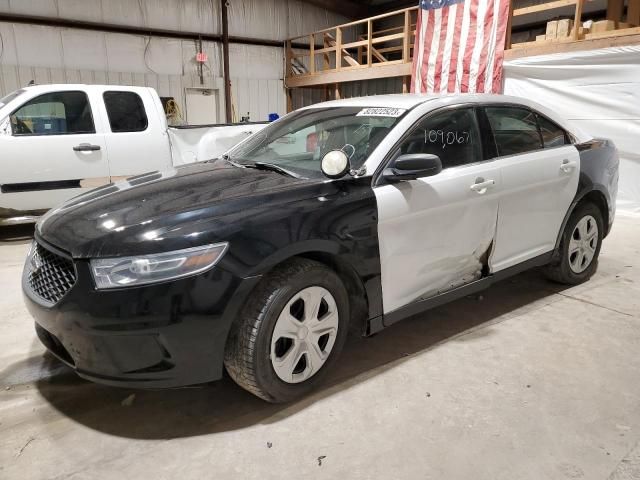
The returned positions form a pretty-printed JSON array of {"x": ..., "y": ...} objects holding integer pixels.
[{"x": 382, "y": 46}]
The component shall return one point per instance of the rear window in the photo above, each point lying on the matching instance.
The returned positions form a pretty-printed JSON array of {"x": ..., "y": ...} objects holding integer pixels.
[
  {"x": 552, "y": 134},
  {"x": 515, "y": 130},
  {"x": 126, "y": 112}
]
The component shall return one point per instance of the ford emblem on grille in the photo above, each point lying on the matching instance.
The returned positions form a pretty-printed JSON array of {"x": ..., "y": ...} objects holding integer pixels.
[{"x": 36, "y": 263}]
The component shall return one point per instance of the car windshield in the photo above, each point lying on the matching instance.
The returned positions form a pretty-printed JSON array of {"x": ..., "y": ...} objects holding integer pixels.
[
  {"x": 298, "y": 142},
  {"x": 5, "y": 100}
]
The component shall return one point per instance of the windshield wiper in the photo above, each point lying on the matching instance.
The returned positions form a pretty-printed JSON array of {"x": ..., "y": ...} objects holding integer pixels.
[{"x": 271, "y": 167}]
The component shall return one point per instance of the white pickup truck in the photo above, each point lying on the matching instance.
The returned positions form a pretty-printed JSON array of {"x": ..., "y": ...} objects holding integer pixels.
[{"x": 57, "y": 141}]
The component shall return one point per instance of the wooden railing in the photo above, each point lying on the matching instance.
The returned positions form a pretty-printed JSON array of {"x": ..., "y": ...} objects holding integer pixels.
[{"x": 354, "y": 46}]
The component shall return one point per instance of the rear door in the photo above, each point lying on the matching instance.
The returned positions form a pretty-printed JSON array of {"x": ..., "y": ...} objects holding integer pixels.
[
  {"x": 540, "y": 172},
  {"x": 436, "y": 233},
  {"x": 52, "y": 146},
  {"x": 136, "y": 131}
]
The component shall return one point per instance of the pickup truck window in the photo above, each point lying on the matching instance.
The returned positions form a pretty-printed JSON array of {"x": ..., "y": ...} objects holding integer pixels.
[
  {"x": 298, "y": 142},
  {"x": 515, "y": 130},
  {"x": 126, "y": 112},
  {"x": 55, "y": 113},
  {"x": 453, "y": 135}
]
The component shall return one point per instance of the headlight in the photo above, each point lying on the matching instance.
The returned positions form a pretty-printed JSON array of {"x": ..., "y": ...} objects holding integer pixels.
[{"x": 159, "y": 267}]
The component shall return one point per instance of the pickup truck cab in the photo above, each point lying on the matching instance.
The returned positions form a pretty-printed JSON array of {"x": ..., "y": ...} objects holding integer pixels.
[
  {"x": 57, "y": 141},
  {"x": 366, "y": 210}
]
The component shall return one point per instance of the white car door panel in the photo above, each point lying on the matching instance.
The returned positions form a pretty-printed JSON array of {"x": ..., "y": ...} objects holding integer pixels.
[
  {"x": 56, "y": 145},
  {"x": 537, "y": 190},
  {"x": 435, "y": 233},
  {"x": 540, "y": 176}
]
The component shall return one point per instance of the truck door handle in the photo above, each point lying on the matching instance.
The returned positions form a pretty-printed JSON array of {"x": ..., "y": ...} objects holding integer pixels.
[
  {"x": 567, "y": 166},
  {"x": 86, "y": 147},
  {"x": 481, "y": 186}
]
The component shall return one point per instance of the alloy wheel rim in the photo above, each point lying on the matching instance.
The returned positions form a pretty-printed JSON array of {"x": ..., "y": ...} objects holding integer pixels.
[
  {"x": 583, "y": 244},
  {"x": 304, "y": 334}
]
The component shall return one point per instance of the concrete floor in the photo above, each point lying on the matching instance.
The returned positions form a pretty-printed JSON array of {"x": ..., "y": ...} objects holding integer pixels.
[{"x": 528, "y": 381}]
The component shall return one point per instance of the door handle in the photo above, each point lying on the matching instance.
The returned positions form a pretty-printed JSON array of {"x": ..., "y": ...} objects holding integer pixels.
[
  {"x": 86, "y": 147},
  {"x": 568, "y": 166},
  {"x": 481, "y": 186}
]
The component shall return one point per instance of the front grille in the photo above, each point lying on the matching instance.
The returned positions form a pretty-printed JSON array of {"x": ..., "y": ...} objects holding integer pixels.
[{"x": 50, "y": 276}]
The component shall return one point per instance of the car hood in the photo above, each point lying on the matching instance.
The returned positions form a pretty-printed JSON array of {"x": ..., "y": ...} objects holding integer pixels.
[{"x": 188, "y": 206}]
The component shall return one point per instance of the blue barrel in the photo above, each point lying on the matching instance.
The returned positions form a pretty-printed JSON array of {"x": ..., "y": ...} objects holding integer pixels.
[{"x": 273, "y": 117}]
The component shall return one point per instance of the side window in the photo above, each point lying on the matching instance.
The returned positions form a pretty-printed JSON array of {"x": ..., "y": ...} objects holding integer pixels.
[
  {"x": 126, "y": 112},
  {"x": 453, "y": 135},
  {"x": 515, "y": 130},
  {"x": 56, "y": 113},
  {"x": 552, "y": 134}
]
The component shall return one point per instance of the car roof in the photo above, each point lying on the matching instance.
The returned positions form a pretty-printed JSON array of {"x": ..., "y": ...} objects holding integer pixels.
[{"x": 410, "y": 101}]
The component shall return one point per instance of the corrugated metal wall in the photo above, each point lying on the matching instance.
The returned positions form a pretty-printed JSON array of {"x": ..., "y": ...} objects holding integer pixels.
[{"x": 61, "y": 55}]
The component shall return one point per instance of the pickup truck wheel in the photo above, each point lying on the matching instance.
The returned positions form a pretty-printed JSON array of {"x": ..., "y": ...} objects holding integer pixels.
[
  {"x": 579, "y": 247},
  {"x": 290, "y": 333}
]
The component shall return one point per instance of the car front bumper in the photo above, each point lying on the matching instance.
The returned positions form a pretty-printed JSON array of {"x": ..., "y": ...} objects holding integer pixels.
[{"x": 157, "y": 336}]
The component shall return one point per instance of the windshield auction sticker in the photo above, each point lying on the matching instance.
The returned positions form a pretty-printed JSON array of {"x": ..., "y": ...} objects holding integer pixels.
[{"x": 381, "y": 112}]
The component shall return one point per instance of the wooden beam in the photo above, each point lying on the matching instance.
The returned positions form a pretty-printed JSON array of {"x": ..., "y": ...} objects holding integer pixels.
[
  {"x": 370, "y": 41},
  {"x": 577, "y": 21},
  {"x": 406, "y": 40},
  {"x": 507, "y": 43},
  {"x": 570, "y": 46},
  {"x": 633, "y": 12},
  {"x": 354, "y": 74},
  {"x": 543, "y": 7},
  {"x": 615, "y": 9}
]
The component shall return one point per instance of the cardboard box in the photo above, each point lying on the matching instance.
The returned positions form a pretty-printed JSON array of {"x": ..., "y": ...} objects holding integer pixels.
[
  {"x": 552, "y": 30},
  {"x": 564, "y": 28},
  {"x": 603, "y": 26}
]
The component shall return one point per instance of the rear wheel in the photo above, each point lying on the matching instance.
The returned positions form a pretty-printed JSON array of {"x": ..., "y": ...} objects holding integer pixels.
[
  {"x": 579, "y": 246},
  {"x": 290, "y": 332}
]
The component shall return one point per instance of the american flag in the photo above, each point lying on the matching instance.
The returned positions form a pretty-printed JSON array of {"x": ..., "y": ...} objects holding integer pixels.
[{"x": 459, "y": 46}]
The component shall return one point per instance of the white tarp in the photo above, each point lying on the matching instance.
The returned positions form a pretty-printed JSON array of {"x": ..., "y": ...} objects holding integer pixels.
[{"x": 597, "y": 90}]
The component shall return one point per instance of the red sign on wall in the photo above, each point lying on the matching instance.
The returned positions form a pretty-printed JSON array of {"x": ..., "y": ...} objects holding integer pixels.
[{"x": 201, "y": 57}]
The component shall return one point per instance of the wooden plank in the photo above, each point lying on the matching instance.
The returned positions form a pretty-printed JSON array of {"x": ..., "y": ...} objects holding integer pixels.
[
  {"x": 343, "y": 52},
  {"x": 353, "y": 74},
  {"x": 387, "y": 38},
  {"x": 577, "y": 21},
  {"x": 534, "y": 48},
  {"x": 633, "y": 12},
  {"x": 615, "y": 9},
  {"x": 312, "y": 54},
  {"x": 614, "y": 33},
  {"x": 543, "y": 7},
  {"x": 370, "y": 41},
  {"x": 406, "y": 41},
  {"x": 339, "y": 48}
]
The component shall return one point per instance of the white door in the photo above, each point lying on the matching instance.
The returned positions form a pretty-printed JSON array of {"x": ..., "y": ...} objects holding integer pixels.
[
  {"x": 202, "y": 106},
  {"x": 51, "y": 147},
  {"x": 540, "y": 172},
  {"x": 136, "y": 132},
  {"x": 436, "y": 233}
]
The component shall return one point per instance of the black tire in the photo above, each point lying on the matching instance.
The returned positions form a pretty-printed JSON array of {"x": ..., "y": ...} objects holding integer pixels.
[
  {"x": 248, "y": 349},
  {"x": 560, "y": 271}
]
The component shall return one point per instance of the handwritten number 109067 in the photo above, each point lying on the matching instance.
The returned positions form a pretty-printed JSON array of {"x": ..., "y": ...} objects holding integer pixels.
[{"x": 446, "y": 137}]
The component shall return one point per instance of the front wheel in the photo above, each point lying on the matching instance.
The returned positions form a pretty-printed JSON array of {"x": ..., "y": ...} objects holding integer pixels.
[
  {"x": 579, "y": 246},
  {"x": 290, "y": 332}
]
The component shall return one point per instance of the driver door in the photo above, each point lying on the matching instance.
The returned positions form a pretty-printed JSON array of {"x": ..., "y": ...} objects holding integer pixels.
[{"x": 436, "y": 233}]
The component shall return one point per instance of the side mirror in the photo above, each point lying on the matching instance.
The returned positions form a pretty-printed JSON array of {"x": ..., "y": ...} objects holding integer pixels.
[
  {"x": 413, "y": 166},
  {"x": 335, "y": 164}
]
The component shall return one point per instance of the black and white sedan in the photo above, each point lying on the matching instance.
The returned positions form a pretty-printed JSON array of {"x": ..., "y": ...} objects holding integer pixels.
[{"x": 367, "y": 210}]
